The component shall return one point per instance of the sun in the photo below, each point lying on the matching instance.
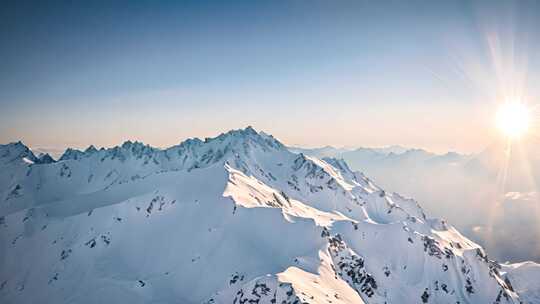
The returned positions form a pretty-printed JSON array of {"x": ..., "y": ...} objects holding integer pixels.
[{"x": 513, "y": 119}]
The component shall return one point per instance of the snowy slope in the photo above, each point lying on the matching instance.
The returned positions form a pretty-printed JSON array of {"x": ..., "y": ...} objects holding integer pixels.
[
  {"x": 507, "y": 206},
  {"x": 233, "y": 219}
]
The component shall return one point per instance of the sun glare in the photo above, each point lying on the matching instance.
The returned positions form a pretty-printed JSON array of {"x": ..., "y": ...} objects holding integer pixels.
[{"x": 513, "y": 119}]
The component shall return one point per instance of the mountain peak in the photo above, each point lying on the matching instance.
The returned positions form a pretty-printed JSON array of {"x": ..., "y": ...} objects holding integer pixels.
[
  {"x": 246, "y": 132},
  {"x": 246, "y": 136},
  {"x": 91, "y": 149},
  {"x": 134, "y": 145},
  {"x": 249, "y": 130},
  {"x": 17, "y": 145},
  {"x": 71, "y": 153},
  {"x": 17, "y": 150},
  {"x": 45, "y": 158}
]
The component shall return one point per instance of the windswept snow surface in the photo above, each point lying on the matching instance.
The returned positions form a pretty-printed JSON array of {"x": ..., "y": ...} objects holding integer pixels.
[{"x": 232, "y": 219}]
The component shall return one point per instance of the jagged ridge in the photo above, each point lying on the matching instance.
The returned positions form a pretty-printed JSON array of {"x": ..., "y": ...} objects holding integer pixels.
[{"x": 231, "y": 208}]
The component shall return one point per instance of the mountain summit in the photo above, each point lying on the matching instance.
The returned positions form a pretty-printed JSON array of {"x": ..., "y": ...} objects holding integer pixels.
[{"x": 237, "y": 218}]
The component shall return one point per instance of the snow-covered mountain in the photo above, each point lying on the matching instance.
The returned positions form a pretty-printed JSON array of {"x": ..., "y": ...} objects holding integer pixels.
[
  {"x": 53, "y": 152},
  {"x": 502, "y": 213},
  {"x": 233, "y": 219}
]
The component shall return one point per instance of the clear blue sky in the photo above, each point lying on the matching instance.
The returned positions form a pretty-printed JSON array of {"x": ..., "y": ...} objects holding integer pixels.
[{"x": 347, "y": 73}]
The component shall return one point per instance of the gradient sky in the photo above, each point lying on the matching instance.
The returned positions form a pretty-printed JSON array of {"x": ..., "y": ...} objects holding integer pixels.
[{"x": 313, "y": 73}]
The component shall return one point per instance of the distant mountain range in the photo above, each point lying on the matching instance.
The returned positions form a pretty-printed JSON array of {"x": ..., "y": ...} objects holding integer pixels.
[
  {"x": 237, "y": 218},
  {"x": 329, "y": 151}
]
